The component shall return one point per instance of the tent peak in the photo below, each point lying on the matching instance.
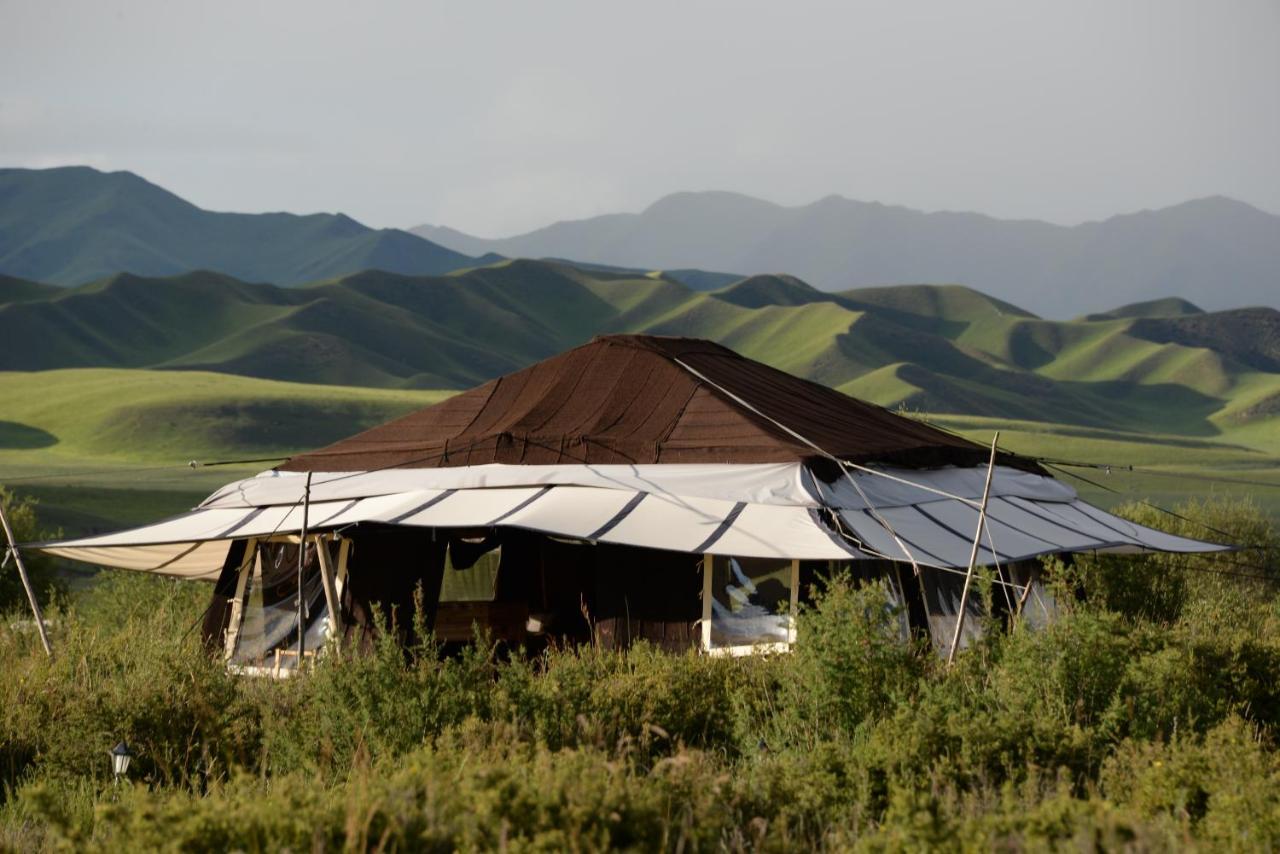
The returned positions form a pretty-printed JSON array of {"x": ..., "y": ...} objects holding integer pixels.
[{"x": 645, "y": 399}]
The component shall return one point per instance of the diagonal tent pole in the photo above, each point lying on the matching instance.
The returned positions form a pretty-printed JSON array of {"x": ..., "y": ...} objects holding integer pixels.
[
  {"x": 26, "y": 582},
  {"x": 973, "y": 555},
  {"x": 302, "y": 555},
  {"x": 330, "y": 591}
]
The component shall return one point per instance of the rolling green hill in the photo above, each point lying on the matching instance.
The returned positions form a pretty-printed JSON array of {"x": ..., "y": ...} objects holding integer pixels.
[
  {"x": 75, "y": 224},
  {"x": 931, "y": 348},
  {"x": 104, "y": 447}
]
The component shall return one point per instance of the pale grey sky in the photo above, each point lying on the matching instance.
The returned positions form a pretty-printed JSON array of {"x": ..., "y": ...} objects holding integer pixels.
[{"x": 500, "y": 117}]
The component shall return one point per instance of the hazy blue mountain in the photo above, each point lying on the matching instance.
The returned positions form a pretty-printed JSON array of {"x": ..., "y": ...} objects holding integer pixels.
[
  {"x": 1216, "y": 252},
  {"x": 75, "y": 224}
]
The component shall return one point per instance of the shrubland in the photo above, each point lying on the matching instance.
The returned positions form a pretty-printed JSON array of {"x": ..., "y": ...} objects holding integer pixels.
[{"x": 1145, "y": 716}]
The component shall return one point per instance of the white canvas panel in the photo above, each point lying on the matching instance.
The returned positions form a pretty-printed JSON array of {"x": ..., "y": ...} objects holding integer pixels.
[
  {"x": 1144, "y": 536},
  {"x": 1063, "y": 514},
  {"x": 1009, "y": 543},
  {"x": 912, "y": 486},
  {"x": 671, "y": 522},
  {"x": 879, "y": 541},
  {"x": 469, "y": 508},
  {"x": 950, "y": 548},
  {"x": 765, "y": 483},
  {"x": 784, "y": 532},
  {"x": 575, "y": 511},
  {"x": 1066, "y": 538},
  {"x": 192, "y": 561},
  {"x": 200, "y": 525}
]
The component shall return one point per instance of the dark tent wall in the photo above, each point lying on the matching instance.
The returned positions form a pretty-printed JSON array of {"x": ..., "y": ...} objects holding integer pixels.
[
  {"x": 646, "y": 594},
  {"x": 390, "y": 571}
]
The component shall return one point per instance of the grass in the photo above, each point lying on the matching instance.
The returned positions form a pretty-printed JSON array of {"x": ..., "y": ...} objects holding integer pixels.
[{"x": 114, "y": 445}]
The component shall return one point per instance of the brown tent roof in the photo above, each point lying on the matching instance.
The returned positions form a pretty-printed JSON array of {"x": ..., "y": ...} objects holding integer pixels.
[{"x": 626, "y": 399}]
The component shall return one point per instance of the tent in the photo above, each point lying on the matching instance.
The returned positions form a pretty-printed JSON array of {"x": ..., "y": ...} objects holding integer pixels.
[{"x": 632, "y": 487}]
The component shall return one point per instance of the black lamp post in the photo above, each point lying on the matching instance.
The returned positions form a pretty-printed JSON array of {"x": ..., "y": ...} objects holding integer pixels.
[{"x": 120, "y": 756}]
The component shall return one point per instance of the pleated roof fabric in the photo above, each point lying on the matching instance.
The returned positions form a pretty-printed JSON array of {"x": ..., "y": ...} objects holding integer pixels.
[{"x": 632, "y": 399}]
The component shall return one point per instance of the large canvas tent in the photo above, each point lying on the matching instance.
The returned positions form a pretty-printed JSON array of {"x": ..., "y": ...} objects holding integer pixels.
[{"x": 632, "y": 487}]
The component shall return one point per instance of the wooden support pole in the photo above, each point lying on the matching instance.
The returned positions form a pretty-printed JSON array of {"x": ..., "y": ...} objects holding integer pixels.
[
  {"x": 302, "y": 555},
  {"x": 251, "y": 562},
  {"x": 973, "y": 555},
  {"x": 330, "y": 591},
  {"x": 1026, "y": 591},
  {"x": 26, "y": 582}
]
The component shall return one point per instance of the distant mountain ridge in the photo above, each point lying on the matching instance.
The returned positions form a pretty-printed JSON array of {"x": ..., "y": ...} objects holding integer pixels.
[
  {"x": 1214, "y": 251},
  {"x": 73, "y": 225},
  {"x": 945, "y": 349}
]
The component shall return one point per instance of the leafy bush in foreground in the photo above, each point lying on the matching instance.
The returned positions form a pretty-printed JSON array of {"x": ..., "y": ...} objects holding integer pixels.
[{"x": 1121, "y": 724}]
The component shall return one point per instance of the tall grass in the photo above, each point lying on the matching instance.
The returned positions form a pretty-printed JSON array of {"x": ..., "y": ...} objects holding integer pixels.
[{"x": 1146, "y": 716}]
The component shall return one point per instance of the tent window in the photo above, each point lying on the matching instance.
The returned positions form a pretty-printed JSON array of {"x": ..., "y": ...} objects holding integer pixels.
[
  {"x": 748, "y": 603},
  {"x": 268, "y": 631}
]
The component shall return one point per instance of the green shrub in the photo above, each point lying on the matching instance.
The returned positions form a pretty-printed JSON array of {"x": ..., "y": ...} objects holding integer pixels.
[
  {"x": 1145, "y": 717},
  {"x": 145, "y": 680},
  {"x": 21, "y": 513},
  {"x": 643, "y": 698},
  {"x": 849, "y": 662},
  {"x": 1216, "y": 591}
]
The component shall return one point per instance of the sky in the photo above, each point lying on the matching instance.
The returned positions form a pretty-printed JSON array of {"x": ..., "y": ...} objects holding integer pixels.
[{"x": 496, "y": 118}]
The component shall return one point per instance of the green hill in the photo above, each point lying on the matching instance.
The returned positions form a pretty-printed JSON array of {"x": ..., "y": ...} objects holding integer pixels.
[
  {"x": 1167, "y": 307},
  {"x": 75, "y": 224},
  {"x": 937, "y": 349},
  {"x": 21, "y": 290},
  {"x": 131, "y": 371}
]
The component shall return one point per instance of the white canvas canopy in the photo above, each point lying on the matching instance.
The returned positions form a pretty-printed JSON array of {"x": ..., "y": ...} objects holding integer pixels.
[{"x": 747, "y": 510}]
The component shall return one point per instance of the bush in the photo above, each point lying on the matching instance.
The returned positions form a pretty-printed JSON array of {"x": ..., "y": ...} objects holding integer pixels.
[
  {"x": 1146, "y": 716},
  {"x": 21, "y": 513}
]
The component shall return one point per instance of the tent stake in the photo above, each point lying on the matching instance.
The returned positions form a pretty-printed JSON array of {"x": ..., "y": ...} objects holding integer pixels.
[
  {"x": 302, "y": 555},
  {"x": 973, "y": 555},
  {"x": 26, "y": 582}
]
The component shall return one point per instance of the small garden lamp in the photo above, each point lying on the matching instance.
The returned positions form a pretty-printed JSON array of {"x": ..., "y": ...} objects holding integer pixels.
[{"x": 120, "y": 756}]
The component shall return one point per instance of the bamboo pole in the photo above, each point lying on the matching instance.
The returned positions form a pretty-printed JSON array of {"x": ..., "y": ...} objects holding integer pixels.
[
  {"x": 330, "y": 591},
  {"x": 1026, "y": 591},
  {"x": 302, "y": 555},
  {"x": 26, "y": 582},
  {"x": 973, "y": 555}
]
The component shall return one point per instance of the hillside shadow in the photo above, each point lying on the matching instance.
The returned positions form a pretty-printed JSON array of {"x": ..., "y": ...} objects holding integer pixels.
[{"x": 22, "y": 437}]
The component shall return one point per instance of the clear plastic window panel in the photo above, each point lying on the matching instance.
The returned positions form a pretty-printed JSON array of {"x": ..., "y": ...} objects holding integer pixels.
[
  {"x": 270, "y": 612},
  {"x": 751, "y": 600}
]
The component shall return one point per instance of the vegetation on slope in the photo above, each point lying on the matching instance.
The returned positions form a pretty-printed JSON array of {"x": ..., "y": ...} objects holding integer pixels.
[{"x": 951, "y": 349}]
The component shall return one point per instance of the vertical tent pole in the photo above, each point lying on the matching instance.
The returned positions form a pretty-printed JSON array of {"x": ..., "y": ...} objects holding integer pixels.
[
  {"x": 707, "y": 593},
  {"x": 330, "y": 590},
  {"x": 302, "y": 554},
  {"x": 973, "y": 555},
  {"x": 26, "y": 582}
]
